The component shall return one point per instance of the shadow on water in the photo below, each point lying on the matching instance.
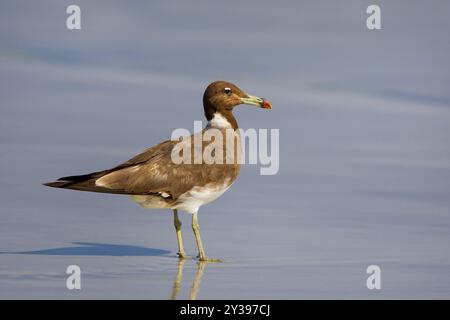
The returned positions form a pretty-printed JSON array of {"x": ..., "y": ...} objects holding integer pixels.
[
  {"x": 193, "y": 292},
  {"x": 97, "y": 249},
  {"x": 116, "y": 250}
]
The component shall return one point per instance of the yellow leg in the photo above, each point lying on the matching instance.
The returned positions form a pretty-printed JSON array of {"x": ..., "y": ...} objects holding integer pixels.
[
  {"x": 177, "y": 224},
  {"x": 198, "y": 239}
]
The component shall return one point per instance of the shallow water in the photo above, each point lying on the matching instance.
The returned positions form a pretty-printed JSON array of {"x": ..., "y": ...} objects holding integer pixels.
[{"x": 364, "y": 121}]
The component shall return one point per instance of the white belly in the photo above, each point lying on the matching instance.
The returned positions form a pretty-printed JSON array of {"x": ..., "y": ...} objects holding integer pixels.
[
  {"x": 189, "y": 201},
  {"x": 192, "y": 200}
]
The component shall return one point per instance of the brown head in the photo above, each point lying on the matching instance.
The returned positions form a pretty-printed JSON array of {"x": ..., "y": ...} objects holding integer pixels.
[{"x": 221, "y": 97}]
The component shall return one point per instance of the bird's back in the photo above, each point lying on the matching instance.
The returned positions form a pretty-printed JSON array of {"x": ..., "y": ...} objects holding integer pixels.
[{"x": 157, "y": 173}]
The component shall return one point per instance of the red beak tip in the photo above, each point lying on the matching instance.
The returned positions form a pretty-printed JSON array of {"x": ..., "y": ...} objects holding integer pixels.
[{"x": 266, "y": 104}]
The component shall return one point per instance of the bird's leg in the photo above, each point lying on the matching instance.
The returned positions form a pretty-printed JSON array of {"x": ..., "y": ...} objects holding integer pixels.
[
  {"x": 177, "y": 223},
  {"x": 198, "y": 239}
]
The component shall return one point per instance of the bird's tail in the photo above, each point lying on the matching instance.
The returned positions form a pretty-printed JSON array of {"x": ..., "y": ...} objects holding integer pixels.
[
  {"x": 57, "y": 184},
  {"x": 85, "y": 182}
]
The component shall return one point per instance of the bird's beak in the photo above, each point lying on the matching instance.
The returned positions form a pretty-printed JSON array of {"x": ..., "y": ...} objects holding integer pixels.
[{"x": 256, "y": 101}]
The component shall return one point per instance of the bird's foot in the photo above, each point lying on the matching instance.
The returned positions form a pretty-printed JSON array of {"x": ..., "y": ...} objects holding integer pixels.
[
  {"x": 206, "y": 259},
  {"x": 181, "y": 255}
]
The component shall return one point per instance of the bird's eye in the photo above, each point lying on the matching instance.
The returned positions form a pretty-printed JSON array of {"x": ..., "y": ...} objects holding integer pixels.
[{"x": 227, "y": 90}]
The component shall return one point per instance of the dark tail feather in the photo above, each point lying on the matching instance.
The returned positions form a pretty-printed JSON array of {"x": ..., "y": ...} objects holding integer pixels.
[
  {"x": 84, "y": 177},
  {"x": 71, "y": 181},
  {"x": 57, "y": 184},
  {"x": 85, "y": 182}
]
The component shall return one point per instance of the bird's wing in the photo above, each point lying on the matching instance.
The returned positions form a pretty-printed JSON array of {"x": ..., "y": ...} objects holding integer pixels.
[
  {"x": 130, "y": 177},
  {"x": 150, "y": 172}
]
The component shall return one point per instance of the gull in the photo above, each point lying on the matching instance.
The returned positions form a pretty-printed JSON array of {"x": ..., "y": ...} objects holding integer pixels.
[{"x": 155, "y": 181}]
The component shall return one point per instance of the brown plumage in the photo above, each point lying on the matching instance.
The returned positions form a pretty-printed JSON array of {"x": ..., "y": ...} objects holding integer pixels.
[
  {"x": 152, "y": 178},
  {"x": 152, "y": 172}
]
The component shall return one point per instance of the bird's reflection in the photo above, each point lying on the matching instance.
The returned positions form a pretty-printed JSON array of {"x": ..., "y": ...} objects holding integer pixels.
[{"x": 193, "y": 292}]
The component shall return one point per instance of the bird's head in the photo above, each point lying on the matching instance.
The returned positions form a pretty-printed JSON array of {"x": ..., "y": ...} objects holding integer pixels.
[{"x": 221, "y": 97}]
